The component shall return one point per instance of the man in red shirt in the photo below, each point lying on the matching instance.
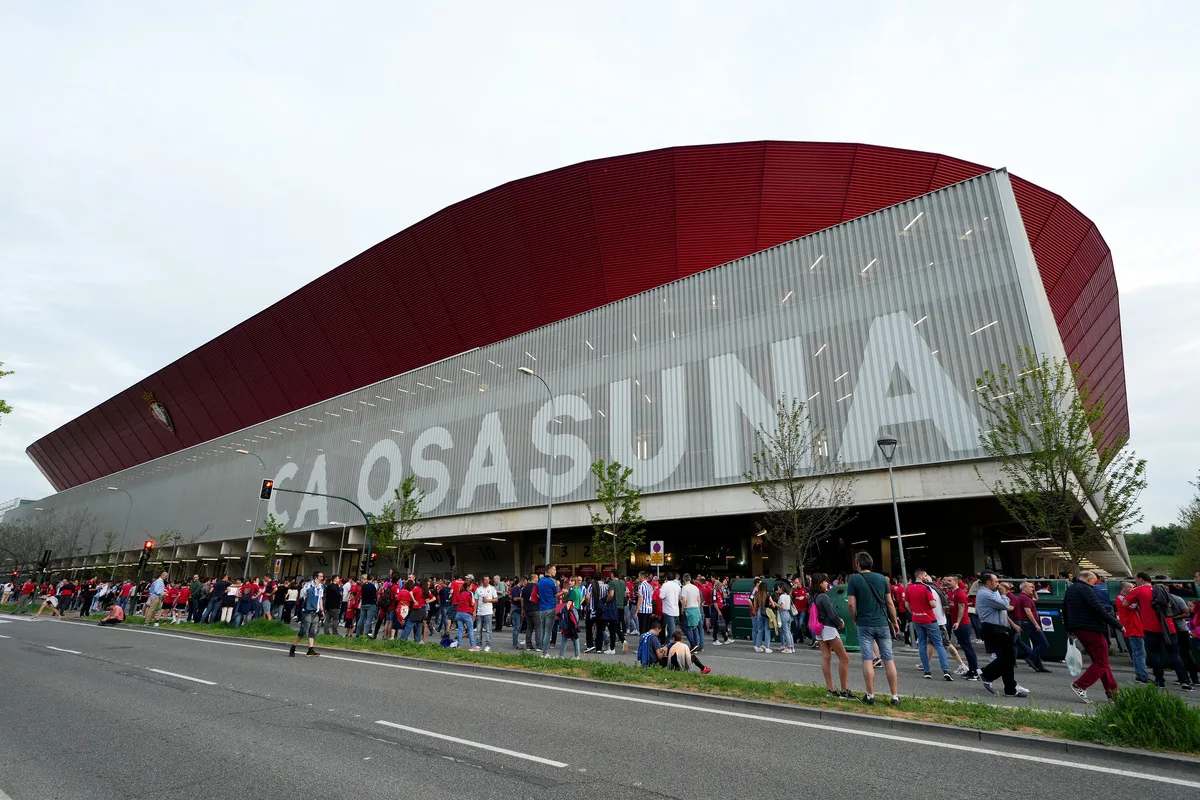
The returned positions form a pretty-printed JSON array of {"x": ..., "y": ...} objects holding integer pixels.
[
  {"x": 1132, "y": 622},
  {"x": 919, "y": 597},
  {"x": 1156, "y": 637},
  {"x": 959, "y": 619},
  {"x": 27, "y": 590},
  {"x": 901, "y": 610}
]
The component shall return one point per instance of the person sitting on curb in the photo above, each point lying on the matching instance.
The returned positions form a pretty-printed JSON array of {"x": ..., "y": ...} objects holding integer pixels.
[{"x": 116, "y": 615}]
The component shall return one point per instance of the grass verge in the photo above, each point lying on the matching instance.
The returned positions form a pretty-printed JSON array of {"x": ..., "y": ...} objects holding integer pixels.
[{"x": 1142, "y": 717}]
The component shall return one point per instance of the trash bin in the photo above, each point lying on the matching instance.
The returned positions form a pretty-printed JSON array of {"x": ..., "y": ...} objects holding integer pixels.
[
  {"x": 1049, "y": 608},
  {"x": 840, "y": 604},
  {"x": 739, "y": 592}
]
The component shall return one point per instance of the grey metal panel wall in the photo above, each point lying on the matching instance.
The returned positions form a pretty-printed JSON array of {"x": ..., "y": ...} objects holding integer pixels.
[{"x": 882, "y": 323}]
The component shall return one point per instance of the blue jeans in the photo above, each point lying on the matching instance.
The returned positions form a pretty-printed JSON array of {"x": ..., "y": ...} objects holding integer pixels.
[
  {"x": 963, "y": 634},
  {"x": 413, "y": 628},
  {"x": 485, "y": 630},
  {"x": 562, "y": 645},
  {"x": 785, "y": 629},
  {"x": 670, "y": 623},
  {"x": 213, "y": 613},
  {"x": 366, "y": 620},
  {"x": 870, "y": 636},
  {"x": 463, "y": 620},
  {"x": 930, "y": 633},
  {"x": 239, "y": 617},
  {"x": 547, "y": 628},
  {"x": 1038, "y": 643},
  {"x": 695, "y": 636},
  {"x": 762, "y": 632},
  {"x": 1137, "y": 653},
  {"x": 516, "y": 628}
]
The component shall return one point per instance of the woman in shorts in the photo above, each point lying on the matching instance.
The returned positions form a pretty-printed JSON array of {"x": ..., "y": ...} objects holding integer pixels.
[
  {"x": 51, "y": 602},
  {"x": 831, "y": 642}
]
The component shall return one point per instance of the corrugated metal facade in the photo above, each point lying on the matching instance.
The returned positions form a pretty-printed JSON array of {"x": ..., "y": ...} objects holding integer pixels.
[
  {"x": 543, "y": 248},
  {"x": 881, "y": 323}
]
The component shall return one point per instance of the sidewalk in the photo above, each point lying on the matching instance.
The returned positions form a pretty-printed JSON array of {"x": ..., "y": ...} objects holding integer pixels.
[{"x": 804, "y": 666}]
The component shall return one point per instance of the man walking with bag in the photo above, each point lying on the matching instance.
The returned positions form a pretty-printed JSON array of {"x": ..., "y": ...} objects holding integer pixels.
[
  {"x": 1087, "y": 619},
  {"x": 312, "y": 608}
]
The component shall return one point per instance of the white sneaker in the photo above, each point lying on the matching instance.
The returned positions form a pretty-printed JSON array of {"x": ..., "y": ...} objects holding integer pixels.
[
  {"x": 963, "y": 669},
  {"x": 487, "y": 649},
  {"x": 768, "y": 650},
  {"x": 716, "y": 643},
  {"x": 757, "y": 649},
  {"x": 610, "y": 652}
]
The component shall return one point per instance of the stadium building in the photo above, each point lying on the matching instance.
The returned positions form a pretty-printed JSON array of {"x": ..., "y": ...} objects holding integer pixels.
[{"x": 667, "y": 299}]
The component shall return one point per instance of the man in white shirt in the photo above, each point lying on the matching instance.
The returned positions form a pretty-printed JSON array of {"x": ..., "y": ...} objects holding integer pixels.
[
  {"x": 485, "y": 597},
  {"x": 669, "y": 593},
  {"x": 690, "y": 602},
  {"x": 158, "y": 591}
]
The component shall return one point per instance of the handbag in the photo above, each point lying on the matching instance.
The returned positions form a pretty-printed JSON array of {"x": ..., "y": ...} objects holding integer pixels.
[{"x": 1074, "y": 659}]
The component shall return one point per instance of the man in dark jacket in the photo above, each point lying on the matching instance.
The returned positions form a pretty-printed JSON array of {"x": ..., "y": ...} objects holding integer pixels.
[{"x": 1088, "y": 620}]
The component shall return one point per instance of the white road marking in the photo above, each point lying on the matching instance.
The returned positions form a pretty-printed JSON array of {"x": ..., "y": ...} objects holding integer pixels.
[
  {"x": 3, "y": 796},
  {"x": 183, "y": 677},
  {"x": 326, "y": 656},
  {"x": 64, "y": 650},
  {"x": 4, "y": 637},
  {"x": 467, "y": 742}
]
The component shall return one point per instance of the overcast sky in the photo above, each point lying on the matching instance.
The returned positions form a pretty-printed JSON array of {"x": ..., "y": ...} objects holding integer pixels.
[{"x": 169, "y": 169}]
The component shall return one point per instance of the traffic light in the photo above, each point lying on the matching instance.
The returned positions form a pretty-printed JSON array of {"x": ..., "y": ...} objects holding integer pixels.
[
  {"x": 371, "y": 562},
  {"x": 265, "y": 493},
  {"x": 149, "y": 545}
]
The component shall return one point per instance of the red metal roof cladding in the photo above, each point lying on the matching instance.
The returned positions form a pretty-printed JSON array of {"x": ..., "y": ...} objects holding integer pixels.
[{"x": 542, "y": 248}]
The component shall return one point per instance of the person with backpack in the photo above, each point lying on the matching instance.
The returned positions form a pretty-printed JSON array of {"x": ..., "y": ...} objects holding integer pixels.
[
  {"x": 1153, "y": 604},
  {"x": 921, "y": 598},
  {"x": 1088, "y": 619},
  {"x": 651, "y": 652},
  {"x": 311, "y": 602},
  {"x": 831, "y": 643},
  {"x": 568, "y": 625}
]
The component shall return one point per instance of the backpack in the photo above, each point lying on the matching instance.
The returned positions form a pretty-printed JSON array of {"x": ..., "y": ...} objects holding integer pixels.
[
  {"x": 1171, "y": 606},
  {"x": 386, "y": 598},
  {"x": 311, "y": 601},
  {"x": 643, "y": 654},
  {"x": 815, "y": 626}
]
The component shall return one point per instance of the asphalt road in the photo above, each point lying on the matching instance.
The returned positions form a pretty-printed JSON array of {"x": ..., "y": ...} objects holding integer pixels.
[{"x": 128, "y": 713}]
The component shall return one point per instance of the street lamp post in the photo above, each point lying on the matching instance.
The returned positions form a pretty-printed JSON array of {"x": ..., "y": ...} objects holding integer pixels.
[
  {"x": 257, "y": 511},
  {"x": 121, "y": 545},
  {"x": 887, "y": 446},
  {"x": 553, "y": 456},
  {"x": 341, "y": 544}
]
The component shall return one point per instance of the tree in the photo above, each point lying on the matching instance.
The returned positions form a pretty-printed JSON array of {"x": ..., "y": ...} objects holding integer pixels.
[
  {"x": 1187, "y": 552},
  {"x": 1162, "y": 540},
  {"x": 1057, "y": 450},
  {"x": 270, "y": 533},
  {"x": 619, "y": 527},
  {"x": 807, "y": 492},
  {"x": 110, "y": 539},
  {"x": 394, "y": 525},
  {"x": 5, "y": 408}
]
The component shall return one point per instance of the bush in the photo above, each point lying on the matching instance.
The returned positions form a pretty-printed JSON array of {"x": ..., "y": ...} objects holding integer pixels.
[{"x": 1145, "y": 717}]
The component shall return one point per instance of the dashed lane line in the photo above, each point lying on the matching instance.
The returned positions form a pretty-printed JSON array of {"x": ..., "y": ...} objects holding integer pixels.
[
  {"x": 182, "y": 677},
  {"x": 63, "y": 650},
  {"x": 468, "y": 743}
]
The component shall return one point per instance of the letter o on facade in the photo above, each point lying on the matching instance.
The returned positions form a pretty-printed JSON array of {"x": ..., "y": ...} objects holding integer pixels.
[{"x": 385, "y": 449}]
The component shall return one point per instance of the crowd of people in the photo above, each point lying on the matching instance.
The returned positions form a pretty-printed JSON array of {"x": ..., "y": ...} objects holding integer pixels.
[{"x": 672, "y": 618}]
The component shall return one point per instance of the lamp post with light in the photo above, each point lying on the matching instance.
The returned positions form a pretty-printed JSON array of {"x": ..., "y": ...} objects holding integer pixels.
[
  {"x": 887, "y": 446},
  {"x": 257, "y": 511},
  {"x": 550, "y": 492},
  {"x": 121, "y": 546}
]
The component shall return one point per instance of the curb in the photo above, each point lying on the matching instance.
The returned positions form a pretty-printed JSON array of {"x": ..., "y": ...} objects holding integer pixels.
[{"x": 845, "y": 719}]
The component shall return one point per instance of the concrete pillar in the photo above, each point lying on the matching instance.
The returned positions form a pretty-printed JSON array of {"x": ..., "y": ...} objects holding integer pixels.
[{"x": 977, "y": 552}]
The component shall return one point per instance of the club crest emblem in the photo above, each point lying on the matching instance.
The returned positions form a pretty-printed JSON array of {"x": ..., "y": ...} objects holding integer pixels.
[{"x": 159, "y": 411}]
